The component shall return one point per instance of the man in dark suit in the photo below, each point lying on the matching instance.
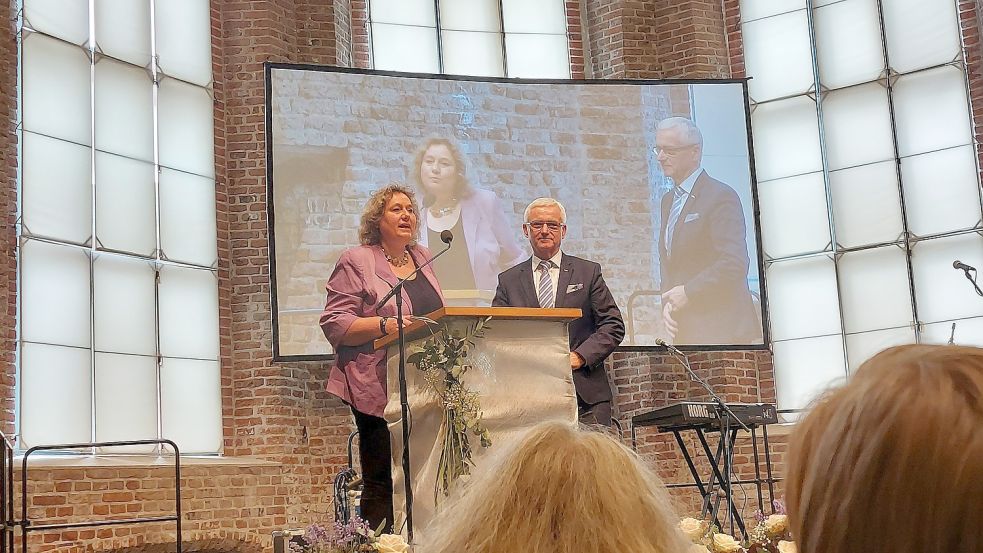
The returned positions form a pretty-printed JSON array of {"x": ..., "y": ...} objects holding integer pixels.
[
  {"x": 554, "y": 279},
  {"x": 702, "y": 248}
]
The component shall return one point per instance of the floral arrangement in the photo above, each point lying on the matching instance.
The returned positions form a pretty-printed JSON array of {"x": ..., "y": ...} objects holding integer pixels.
[
  {"x": 355, "y": 536},
  {"x": 443, "y": 359},
  {"x": 770, "y": 535}
]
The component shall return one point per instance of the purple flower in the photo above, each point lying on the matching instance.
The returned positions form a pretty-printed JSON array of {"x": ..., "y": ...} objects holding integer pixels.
[{"x": 779, "y": 506}]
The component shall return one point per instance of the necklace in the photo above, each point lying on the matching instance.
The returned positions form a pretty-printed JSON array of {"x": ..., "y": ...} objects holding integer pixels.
[
  {"x": 397, "y": 262},
  {"x": 440, "y": 212}
]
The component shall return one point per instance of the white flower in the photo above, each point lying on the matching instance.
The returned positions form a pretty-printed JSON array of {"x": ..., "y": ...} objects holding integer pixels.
[
  {"x": 787, "y": 547},
  {"x": 775, "y": 525},
  {"x": 697, "y": 548},
  {"x": 722, "y": 543},
  {"x": 692, "y": 528},
  {"x": 391, "y": 543}
]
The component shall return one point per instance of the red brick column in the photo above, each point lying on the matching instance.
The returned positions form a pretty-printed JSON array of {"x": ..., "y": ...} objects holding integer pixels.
[{"x": 8, "y": 214}]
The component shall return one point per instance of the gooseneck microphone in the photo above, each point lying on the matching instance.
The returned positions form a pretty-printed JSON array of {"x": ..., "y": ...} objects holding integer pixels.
[
  {"x": 668, "y": 346},
  {"x": 970, "y": 273},
  {"x": 404, "y": 407},
  {"x": 446, "y": 237}
]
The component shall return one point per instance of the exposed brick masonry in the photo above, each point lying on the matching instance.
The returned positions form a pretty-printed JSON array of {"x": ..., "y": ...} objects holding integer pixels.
[{"x": 279, "y": 413}]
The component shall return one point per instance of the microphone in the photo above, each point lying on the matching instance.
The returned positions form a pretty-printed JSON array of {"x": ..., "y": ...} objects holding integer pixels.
[
  {"x": 960, "y": 265},
  {"x": 668, "y": 346},
  {"x": 446, "y": 237}
]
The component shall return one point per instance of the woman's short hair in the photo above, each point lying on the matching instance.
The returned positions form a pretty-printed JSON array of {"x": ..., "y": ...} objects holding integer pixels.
[
  {"x": 893, "y": 460},
  {"x": 462, "y": 186},
  {"x": 558, "y": 489},
  {"x": 368, "y": 229},
  {"x": 544, "y": 202}
]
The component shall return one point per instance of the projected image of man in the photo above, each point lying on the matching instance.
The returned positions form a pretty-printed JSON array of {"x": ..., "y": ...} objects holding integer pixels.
[
  {"x": 702, "y": 247},
  {"x": 552, "y": 278}
]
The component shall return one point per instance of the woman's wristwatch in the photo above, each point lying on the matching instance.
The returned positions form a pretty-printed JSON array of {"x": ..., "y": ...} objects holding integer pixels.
[{"x": 382, "y": 325}]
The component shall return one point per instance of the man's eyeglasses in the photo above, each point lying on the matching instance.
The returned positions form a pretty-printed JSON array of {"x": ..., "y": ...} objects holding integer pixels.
[
  {"x": 671, "y": 151},
  {"x": 540, "y": 225}
]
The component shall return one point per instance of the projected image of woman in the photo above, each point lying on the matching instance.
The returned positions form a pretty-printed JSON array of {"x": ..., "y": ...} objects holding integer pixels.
[{"x": 483, "y": 242}]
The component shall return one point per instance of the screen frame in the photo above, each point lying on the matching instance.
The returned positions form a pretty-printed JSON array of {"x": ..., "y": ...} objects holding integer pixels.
[{"x": 269, "y": 67}]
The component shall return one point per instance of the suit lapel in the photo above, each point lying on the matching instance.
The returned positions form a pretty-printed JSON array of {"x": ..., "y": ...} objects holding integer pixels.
[
  {"x": 689, "y": 207},
  {"x": 566, "y": 275},
  {"x": 526, "y": 286}
]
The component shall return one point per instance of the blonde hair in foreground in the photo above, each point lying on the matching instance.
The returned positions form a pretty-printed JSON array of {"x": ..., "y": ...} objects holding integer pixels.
[
  {"x": 893, "y": 460},
  {"x": 557, "y": 489}
]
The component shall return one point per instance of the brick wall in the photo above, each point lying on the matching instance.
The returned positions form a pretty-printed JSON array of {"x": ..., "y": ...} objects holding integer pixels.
[
  {"x": 8, "y": 213},
  {"x": 279, "y": 413}
]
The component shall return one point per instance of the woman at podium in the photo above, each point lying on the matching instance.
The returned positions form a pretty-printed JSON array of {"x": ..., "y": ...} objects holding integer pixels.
[
  {"x": 351, "y": 321},
  {"x": 486, "y": 245}
]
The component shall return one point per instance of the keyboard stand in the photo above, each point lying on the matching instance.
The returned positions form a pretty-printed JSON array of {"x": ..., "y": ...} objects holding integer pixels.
[{"x": 719, "y": 485}]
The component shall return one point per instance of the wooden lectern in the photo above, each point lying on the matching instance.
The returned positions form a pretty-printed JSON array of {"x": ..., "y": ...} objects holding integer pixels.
[{"x": 521, "y": 371}]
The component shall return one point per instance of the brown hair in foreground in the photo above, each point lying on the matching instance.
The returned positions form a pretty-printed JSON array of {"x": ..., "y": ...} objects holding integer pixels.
[
  {"x": 557, "y": 489},
  {"x": 893, "y": 460}
]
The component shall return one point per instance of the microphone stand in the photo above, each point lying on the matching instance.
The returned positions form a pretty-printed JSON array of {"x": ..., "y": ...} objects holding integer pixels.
[
  {"x": 404, "y": 406},
  {"x": 972, "y": 279},
  {"x": 726, "y": 416}
]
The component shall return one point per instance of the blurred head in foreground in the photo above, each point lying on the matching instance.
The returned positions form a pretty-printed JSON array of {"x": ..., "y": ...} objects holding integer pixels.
[
  {"x": 558, "y": 489},
  {"x": 893, "y": 460}
]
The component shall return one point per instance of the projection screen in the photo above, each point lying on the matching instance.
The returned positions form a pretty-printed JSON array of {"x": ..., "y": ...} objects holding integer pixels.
[{"x": 336, "y": 135}]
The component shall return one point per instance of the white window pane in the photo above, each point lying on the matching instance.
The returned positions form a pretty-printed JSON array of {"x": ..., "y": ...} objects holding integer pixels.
[
  {"x": 55, "y": 404},
  {"x": 866, "y": 204},
  {"x": 55, "y": 298},
  {"x": 786, "y": 138},
  {"x": 126, "y": 207},
  {"x": 184, "y": 39},
  {"x": 941, "y": 191},
  {"x": 756, "y": 9},
  {"x": 857, "y": 121},
  {"x": 56, "y": 96},
  {"x": 806, "y": 368},
  {"x": 931, "y": 111},
  {"x": 920, "y": 33},
  {"x": 794, "y": 218},
  {"x": 537, "y": 56},
  {"x": 124, "y": 110},
  {"x": 124, "y": 304},
  {"x": 968, "y": 332},
  {"x": 942, "y": 292},
  {"x": 126, "y": 400},
  {"x": 187, "y": 218},
  {"x": 122, "y": 29},
  {"x": 848, "y": 43},
  {"x": 777, "y": 56},
  {"x": 802, "y": 298},
  {"x": 186, "y": 127},
  {"x": 534, "y": 16},
  {"x": 403, "y": 12},
  {"x": 473, "y": 53},
  {"x": 191, "y": 404},
  {"x": 863, "y": 346},
  {"x": 188, "y": 300},
  {"x": 68, "y": 20},
  {"x": 402, "y": 48},
  {"x": 57, "y": 196},
  {"x": 874, "y": 289},
  {"x": 468, "y": 15}
]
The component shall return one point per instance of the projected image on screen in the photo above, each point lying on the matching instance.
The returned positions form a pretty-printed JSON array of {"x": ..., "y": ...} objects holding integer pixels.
[{"x": 655, "y": 179}]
